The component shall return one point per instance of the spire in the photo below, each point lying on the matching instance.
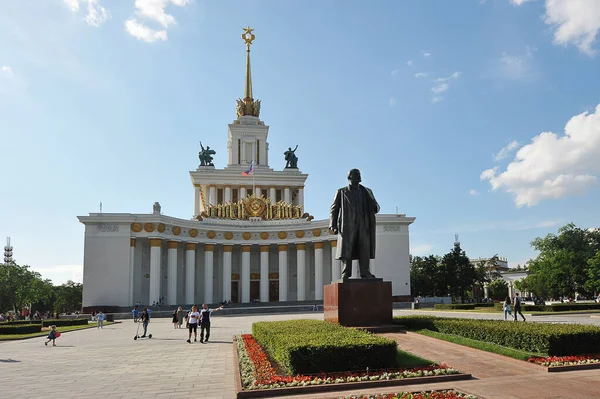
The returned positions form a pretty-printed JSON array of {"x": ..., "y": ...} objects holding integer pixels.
[
  {"x": 248, "y": 106},
  {"x": 248, "y": 37}
]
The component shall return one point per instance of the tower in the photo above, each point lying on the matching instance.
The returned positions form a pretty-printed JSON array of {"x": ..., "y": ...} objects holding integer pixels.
[{"x": 8, "y": 252}]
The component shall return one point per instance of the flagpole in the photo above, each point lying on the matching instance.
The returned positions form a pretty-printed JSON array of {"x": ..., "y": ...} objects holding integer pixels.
[{"x": 253, "y": 184}]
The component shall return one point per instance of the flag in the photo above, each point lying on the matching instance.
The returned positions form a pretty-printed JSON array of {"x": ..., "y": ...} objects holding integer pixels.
[{"x": 249, "y": 171}]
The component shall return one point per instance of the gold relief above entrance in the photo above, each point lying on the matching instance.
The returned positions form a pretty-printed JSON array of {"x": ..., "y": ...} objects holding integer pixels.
[
  {"x": 247, "y": 235},
  {"x": 254, "y": 207},
  {"x": 228, "y": 235},
  {"x": 160, "y": 228},
  {"x": 176, "y": 230},
  {"x": 149, "y": 227},
  {"x": 264, "y": 235},
  {"x": 211, "y": 234},
  {"x": 136, "y": 227},
  {"x": 193, "y": 233}
]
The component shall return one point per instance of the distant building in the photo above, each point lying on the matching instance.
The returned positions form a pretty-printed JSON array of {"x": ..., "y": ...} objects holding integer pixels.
[{"x": 501, "y": 263}]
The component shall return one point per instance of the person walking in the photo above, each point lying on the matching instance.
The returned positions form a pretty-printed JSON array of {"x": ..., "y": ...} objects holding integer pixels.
[
  {"x": 136, "y": 313},
  {"x": 205, "y": 321},
  {"x": 517, "y": 306},
  {"x": 180, "y": 315},
  {"x": 52, "y": 336},
  {"x": 192, "y": 324},
  {"x": 506, "y": 308},
  {"x": 174, "y": 320},
  {"x": 100, "y": 317}
]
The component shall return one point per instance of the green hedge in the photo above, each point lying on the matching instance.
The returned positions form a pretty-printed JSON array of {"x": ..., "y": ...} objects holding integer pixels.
[
  {"x": 463, "y": 306},
  {"x": 19, "y": 322},
  {"x": 557, "y": 307},
  {"x": 20, "y": 329},
  {"x": 313, "y": 346},
  {"x": 550, "y": 339},
  {"x": 64, "y": 322}
]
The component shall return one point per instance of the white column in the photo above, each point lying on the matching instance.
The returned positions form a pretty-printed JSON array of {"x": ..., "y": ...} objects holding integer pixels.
[
  {"x": 212, "y": 195},
  {"x": 301, "y": 271},
  {"x": 245, "y": 275},
  {"x": 335, "y": 263},
  {"x": 172, "y": 272},
  {"x": 197, "y": 202},
  {"x": 208, "y": 273},
  {"x": 272, "y": 194},
  {"x": 131, "y": 265},
  {"x": 318, "y": 271},
  {"x": 301, "y": 196},
  {"x": 227, "y": 194},
  {"x": 243, "y": 193},
  {"x": 283, "y": 272},
  {"x": 286, "y": 194},
  {"x": 155, "y": 257},
  {"x": 227, "y": 272},
  {"x": 190, "y": 272},
  {"x": 355, "y": 269},
  {"x": 264, "y": 273},
  {"x": 258, "y": 192}
]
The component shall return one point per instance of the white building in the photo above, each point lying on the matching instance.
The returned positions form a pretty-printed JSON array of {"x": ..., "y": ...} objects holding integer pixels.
[{"x": 250, "y": 238}]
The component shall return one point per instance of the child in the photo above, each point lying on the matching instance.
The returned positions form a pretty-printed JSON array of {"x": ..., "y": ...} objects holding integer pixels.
[
  {"x": 52, "y": 336},
  {"x": 507, "y": 307}
]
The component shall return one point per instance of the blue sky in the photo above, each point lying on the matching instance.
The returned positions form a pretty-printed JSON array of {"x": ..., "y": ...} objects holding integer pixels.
[{"x": 106, "y": 100}]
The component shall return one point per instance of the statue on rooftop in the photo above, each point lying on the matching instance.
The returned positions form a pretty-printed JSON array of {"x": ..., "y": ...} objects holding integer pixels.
[
  {"x": 205, "y": 156},
  {"x": 291, "y": 158}
]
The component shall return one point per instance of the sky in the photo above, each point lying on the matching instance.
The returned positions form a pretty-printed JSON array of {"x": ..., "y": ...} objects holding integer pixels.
[{"x": 478, "y": 117}]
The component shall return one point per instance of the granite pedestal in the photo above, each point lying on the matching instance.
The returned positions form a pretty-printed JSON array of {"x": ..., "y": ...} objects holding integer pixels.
[{"x": 358, "y": 302}]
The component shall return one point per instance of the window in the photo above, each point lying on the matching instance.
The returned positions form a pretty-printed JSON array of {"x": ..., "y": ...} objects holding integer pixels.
[
  {"x": 219, "y": 196},
  {"x": 277, "y": 195},
  {"x": 234, "y": 194}
]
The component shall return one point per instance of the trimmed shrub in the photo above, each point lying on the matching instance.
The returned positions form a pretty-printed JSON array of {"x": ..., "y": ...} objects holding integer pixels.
[
  {"x": 313, "y": 346},
  {"x": 561, "y": 307},
  {"x": 463, "y": 306},
  {"x": 550, "y": 339},
  {"x": 20, "y": 329},
  {"x": 64, "y": 322},
  {"x": 19, "y": 322}
]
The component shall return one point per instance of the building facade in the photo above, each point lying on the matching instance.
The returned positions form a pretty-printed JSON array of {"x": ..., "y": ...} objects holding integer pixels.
[{"x": 250, "y": 238}]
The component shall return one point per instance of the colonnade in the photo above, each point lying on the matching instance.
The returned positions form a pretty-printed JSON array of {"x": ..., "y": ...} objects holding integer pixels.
[{"x": 156, "y": 246}]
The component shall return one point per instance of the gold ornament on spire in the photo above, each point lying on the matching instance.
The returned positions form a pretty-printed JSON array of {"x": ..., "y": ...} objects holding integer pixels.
[{"x": 248, "y": 106}]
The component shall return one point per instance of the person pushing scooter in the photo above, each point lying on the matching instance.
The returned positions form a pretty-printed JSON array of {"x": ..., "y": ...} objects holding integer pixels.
[{"x": 145, "y": 320}]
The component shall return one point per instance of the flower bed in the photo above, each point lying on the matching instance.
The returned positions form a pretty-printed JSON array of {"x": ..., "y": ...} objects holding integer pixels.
[
  {"x": 445, "y": 394},
  {"x": 257, "y": 372},
  {"x": 556, "y": 361}
]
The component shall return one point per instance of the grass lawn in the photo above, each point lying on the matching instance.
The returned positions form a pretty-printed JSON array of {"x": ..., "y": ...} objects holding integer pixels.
[
  {"x": 484, "y": 346},
  {"x": 11, "y": 337},
  {"x": 493, "y": 310},
  {"x": 406, "y": 360}
]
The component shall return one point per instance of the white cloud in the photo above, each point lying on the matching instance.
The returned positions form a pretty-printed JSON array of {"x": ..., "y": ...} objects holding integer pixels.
[
  {"x": 72, "y": 4},
  {"x": 142, "y": 32},
  {"x": 60, "y": 274},
  {"x": 553, "y": 166},
  {"x": 6, "y": 71},
  {"x": 96, "y": 15},
  {"x": 421, "y": 249},
  {"x": 153, "y": 10},
  {"x": 577, "y": 22},
  {"x": 453, "y": 76},
  {"x": 505, "y": 152},
  {"x": 440, "y": 88},
  {"x": 473, "y": 192},
  {"x": 518, "y": 2},
  {"x": 392, "y": 101},
  {"x": 436, "y": 99},
  {"x": 421, "y": 75},
  {"x": 426, "y": 54},
  {"x": 410, "y": 63}
]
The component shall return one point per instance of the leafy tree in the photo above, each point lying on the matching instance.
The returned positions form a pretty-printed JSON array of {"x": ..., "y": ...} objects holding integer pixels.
[
  {"x": 593, "y": 282},
  {"x": 459, "y": 272},
  {"x": 68, "y": 297},
  {"x": 425, "y": 276},
  {"x": 563, "y": 266},
  {"x": 498, "y": 289}
]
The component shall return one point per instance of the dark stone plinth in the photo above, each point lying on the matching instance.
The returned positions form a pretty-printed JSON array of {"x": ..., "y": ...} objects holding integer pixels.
[{"x": 358, "y": 302}]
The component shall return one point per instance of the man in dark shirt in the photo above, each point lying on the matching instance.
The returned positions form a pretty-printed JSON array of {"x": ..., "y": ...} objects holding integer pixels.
[
  {"x": 205, "y": 321},
  {"x": 145, "y": 320}
]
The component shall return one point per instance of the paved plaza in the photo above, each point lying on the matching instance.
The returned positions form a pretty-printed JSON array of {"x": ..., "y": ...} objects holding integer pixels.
[{"x": 108, "y": 363}]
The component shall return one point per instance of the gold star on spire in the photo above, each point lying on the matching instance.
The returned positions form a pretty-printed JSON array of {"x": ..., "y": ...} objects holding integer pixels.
[{"x": 248, "y": 37}]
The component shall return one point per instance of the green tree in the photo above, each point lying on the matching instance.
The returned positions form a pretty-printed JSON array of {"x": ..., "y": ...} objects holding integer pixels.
[
  {"x": 68, "y": 297},
  {"x": 425, "y": 276},
  {"x": 563, "y": 266},
  {"x": 498, "y": 289},
  {"x": 459, "y": 272},
  {"x": 593, "y": 282}
]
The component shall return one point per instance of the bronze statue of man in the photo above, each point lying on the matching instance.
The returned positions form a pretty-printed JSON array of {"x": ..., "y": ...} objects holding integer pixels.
[{"x": 352, "y": 217}]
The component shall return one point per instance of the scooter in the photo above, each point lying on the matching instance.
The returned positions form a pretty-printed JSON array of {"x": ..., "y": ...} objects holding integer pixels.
[{"x": 137, "y": 334}]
